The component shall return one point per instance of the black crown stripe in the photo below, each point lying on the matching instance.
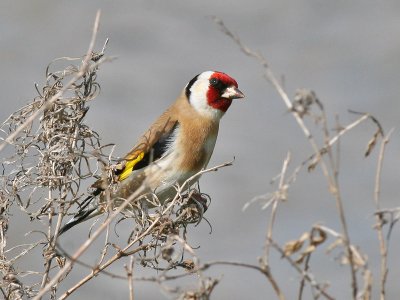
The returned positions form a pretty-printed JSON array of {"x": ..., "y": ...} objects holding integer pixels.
[{"x": 191, "y": 82}]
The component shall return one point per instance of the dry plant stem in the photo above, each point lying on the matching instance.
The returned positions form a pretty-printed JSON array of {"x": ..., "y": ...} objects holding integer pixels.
[
  {"x": 207, "y": 266},
  {"x": 349, "y": 127},
  {"x": 334, "y": 189},
  {"x": 117, "y": 256},
  {"x": 83, "y": 69},
  {"x": 163, "y": 276},
  {"x": 332, "y": 183},
  {"x": 80, "y": 74},
  {"x": 53, "y": 240},
  {"x": 382, "y": 245},
  {"x": 303, "y": 273},
  {"x": 265, "y": 262},
  {"x": 25, "y": 126},
  {"x": 330, "y": 143},
  {"x": 89, "y": 266},
  {"x": 269, "y": 75},
  {"x": 303, "y": 280},
  {"x": 124, "y": 251},
  {"x": 334, "y": 139},
  {"x": 266, "y": 271},
  {"x": 106, "y": 244},
  {"x": 48, "y": 260},
  {"x": 87, "y": 243},
  {"x": 129, "y": 272},
  {"x": 323, "y": 150},
  {"x": 274, "y": 284},
  {"x": 274, "y": 209},
  {"x": 249, "y": 266},
  {"x": 366, "y": 293}
]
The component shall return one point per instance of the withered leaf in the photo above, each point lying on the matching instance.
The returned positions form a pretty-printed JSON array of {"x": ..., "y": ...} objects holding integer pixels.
[
  {"x": 295, "y": 245},
  {"x": 318, "y": 236}
]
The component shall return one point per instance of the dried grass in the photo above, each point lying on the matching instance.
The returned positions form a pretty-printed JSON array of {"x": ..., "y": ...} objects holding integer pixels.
[{"x": 51, "y": 152}]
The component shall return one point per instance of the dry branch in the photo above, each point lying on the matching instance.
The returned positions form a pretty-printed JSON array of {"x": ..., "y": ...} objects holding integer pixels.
[
  {"x": 300, "y": 108},
  {"x": 46, "y": 186},
  {"x": 383, "y": 246}
]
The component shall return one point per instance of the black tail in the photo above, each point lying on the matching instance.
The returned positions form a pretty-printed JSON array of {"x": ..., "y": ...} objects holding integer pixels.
[
  {"x": 82, "y": 216},
  {"x": 85, "y": 213}
]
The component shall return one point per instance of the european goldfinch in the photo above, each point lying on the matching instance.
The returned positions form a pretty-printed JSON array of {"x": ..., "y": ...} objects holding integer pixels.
[{"x": 177, "y": 145}]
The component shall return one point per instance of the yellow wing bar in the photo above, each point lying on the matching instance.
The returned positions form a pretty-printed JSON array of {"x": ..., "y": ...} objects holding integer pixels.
[{"x": 130, "y": 164}]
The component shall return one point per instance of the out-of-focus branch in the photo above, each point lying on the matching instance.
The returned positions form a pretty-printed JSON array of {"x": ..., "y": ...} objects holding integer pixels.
[
  {"x": 383, "y": 247},
  {"x": 129, "y": 273},
  {"x": 332, "y": 183},
  {"x": 303, "y": 273},
  {"x": 281, "y": 195}
]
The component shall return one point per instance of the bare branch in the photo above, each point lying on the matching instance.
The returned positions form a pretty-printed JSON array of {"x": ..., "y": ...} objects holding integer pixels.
[
  {"x": 383, "y": 247},
  {"x": 125, "y": 251},
  {"x": 129, "y": 272},
  {"x": 82, "y": 71},
  {"x": 332, "y": 180}
]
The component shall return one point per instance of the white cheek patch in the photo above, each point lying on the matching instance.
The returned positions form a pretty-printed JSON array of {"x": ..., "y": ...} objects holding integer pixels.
[{"x": 198, "y": 97}]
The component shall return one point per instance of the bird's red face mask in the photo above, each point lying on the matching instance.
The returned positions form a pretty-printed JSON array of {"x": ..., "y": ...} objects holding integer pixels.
[{"x": 222, "y": 90}]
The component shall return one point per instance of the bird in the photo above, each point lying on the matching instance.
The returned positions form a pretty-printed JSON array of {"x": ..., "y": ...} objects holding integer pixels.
[{"x": 176, "y": 147}]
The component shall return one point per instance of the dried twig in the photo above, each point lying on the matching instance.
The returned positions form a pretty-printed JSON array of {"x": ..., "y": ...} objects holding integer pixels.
[
  {"x": 125, "y": 251},
  {"x": 82, "y": 249},
  {"x": 383, "y": 247},
  {"x": 51, "y": 156},
  {"x": 80, "y": 74},
  {"x": 306, "y": 275},
  {"x": 82, "y": 71},
  {"x": 332, "y": 180},
  {"x": 282, "y": 190},
  {"x": 129, "y": 272}
]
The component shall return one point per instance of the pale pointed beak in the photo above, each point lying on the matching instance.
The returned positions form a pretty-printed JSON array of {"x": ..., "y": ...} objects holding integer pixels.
[{"x": 232, "y": 92}]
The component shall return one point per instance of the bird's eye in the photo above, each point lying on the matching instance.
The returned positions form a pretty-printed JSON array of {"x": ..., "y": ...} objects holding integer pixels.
[{"x": 214, "y": 81}]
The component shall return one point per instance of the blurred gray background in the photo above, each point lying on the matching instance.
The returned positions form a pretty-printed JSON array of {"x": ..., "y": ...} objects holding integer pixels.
[{"x": 348, "y": 52}]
